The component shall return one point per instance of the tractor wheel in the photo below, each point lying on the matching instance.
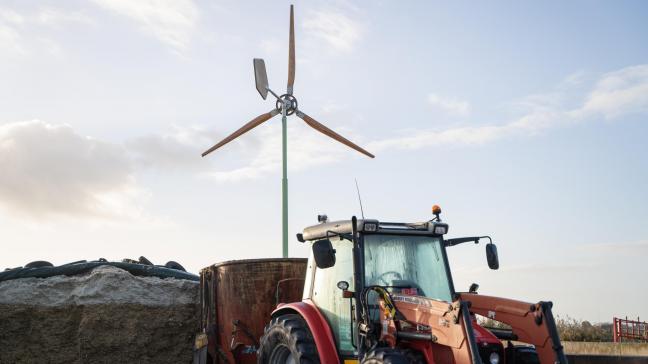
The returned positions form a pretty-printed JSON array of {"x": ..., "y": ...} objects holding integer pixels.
[
  {"x": 287, "y": 340},
  {"x": 385, "y": 356}
]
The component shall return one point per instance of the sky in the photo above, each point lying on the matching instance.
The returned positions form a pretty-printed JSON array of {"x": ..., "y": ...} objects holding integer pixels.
[{"x": 524, "y": 121}]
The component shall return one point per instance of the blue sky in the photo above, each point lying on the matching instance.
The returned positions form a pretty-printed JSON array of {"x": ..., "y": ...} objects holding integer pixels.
[{"x": 524, "y": 121}]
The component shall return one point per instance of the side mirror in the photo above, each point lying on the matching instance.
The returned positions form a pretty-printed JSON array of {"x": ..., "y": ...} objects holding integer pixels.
[
  {"x": 261, "y": 77},
  {"x": 324, "y": 254},
  {"x": 491, "y": 256}
]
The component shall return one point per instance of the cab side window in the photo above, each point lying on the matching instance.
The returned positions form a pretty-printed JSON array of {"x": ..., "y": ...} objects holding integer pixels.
[{"x": 329, "y": 298}]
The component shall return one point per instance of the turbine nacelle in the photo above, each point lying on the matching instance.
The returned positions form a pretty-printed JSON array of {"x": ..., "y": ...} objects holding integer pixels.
[{"x": 287, "y": 101}]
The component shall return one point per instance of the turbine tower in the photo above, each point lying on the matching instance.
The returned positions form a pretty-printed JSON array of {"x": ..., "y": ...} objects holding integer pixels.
[{"x": 285, "y": 105}]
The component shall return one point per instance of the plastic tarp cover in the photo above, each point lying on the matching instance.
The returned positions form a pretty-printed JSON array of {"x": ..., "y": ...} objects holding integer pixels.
[{"x": 79, "y": 268}]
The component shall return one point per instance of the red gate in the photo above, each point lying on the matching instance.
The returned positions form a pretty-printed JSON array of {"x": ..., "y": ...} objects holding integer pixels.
[{"x": 629, "y": 330}]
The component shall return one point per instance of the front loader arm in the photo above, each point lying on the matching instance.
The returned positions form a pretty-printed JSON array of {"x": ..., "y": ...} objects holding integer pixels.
[
  {"x": 450, "y": 326},
  {"x": 532, "y": 323}
]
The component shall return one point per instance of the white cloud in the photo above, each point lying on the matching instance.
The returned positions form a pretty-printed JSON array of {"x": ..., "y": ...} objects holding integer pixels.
[
  {"x": 449, "y": 105},
  {"x": 180, "y": 148},
  {"x": 426, "y": 138},
  {"x": 53, "y": 17},
  {"x": 619, "y": 93},
  {"x": 20, "y": 34},
  {"x": 43, "y": 16},
  {"x": 171, "y": 21},
  {"x": 10, "y": 41},
  {"x": 11, "y": 16},
  {"x": 531, "y": 123},
  {"x": 50, "y": 170},
  {"x": 337, "y": 29}
]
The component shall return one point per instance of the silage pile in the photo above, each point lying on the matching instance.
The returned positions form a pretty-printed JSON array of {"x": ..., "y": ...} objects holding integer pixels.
[{"x": 104, "y": 316}]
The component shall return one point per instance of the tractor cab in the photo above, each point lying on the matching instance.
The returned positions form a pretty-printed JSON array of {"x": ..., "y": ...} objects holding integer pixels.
[{"x": 403, "y": 258}]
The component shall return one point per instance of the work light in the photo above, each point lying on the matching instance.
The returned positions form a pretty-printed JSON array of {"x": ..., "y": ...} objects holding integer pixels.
[
  {"x": 438, "y": 228},
  {"x": 370, "y": 226}
]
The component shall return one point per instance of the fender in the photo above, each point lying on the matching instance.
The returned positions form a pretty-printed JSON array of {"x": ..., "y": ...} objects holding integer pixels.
[{"x": 318, "y": 326}]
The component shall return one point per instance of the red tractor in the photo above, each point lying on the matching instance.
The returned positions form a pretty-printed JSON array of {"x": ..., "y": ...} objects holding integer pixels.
[{"x": 381, "y": 292}]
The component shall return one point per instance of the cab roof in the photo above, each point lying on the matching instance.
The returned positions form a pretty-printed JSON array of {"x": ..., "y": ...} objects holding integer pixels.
[{"x": 323, "y": 230}]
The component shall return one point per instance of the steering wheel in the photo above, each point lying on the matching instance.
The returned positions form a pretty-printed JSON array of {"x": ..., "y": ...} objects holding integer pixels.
[{"x": 394, "y": 273}]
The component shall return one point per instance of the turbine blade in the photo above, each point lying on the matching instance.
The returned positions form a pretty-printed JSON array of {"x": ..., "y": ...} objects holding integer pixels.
[
  {"x": 330, "y": 133},
  {"x": 244, "y": 129},
  {"x": 291, "y": 54}
]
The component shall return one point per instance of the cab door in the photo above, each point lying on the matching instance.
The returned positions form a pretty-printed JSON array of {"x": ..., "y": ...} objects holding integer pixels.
[{"x": 328, "y": 298}]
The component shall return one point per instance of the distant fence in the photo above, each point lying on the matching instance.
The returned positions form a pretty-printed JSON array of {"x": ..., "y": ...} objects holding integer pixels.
[{"x": 629, "y": 330}]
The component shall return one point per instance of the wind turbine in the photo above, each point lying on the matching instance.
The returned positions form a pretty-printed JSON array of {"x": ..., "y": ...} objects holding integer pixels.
[{"x": 285, "y": 105}]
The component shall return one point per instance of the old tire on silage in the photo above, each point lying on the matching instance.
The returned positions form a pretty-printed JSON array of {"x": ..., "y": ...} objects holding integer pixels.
[
  {"x": 38, "y": 264},
  {"x": 175, "y": 265},
  {"x": 287, "y": 336},
  {"x": 143, "y": 260},
  {"x": 385, "y": 356}
]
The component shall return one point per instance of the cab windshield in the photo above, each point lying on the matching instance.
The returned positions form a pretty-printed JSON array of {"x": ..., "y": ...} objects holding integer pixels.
[{"x": 412, "y": 265}]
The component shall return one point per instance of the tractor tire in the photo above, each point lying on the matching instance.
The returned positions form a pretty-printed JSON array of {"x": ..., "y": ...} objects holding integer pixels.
[
  {"x": 287, "y": 339},
  {"x": 38, "y": 264},
  {"x": 385, "y": 356}
]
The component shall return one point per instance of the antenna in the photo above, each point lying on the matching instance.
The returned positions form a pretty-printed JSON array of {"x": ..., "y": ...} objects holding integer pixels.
[
  {"x": 285, "y": 106},
  {"x": 359, "y": 198}
]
